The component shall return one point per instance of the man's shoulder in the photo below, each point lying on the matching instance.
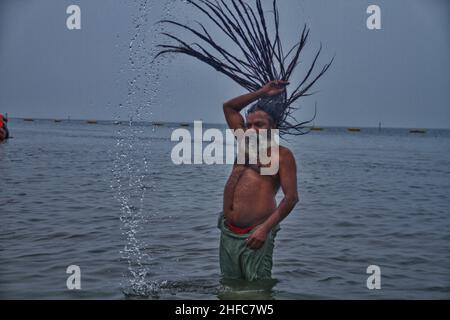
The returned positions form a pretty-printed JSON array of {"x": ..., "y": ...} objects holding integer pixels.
[
  {"x": 286, "y": 155},
  {"x": 285, "y": 151}
]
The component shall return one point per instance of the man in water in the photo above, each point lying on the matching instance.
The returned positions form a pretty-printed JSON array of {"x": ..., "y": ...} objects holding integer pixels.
[{"x": 251, "y": 217}]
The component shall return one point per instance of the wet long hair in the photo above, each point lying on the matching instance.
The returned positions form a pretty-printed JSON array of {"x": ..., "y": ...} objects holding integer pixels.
[{"x": 262, "y": 58}]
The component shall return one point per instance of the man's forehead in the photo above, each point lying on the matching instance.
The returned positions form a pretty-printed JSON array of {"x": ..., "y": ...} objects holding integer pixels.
[{"x": 257, "y": 115}]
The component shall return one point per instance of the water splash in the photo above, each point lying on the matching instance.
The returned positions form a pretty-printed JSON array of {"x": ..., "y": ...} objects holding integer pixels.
[{"x": 130, "y": 168}]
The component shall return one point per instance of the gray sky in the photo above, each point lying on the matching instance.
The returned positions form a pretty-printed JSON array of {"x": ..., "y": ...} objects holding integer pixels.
[{"x": 398, "y": 75}]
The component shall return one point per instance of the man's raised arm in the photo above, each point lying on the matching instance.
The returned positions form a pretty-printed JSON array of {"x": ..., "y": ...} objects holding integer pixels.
[{"x": 233, "y": 107}]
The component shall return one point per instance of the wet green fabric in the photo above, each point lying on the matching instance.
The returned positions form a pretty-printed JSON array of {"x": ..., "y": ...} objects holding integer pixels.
[{"x": 239, "y": 262}]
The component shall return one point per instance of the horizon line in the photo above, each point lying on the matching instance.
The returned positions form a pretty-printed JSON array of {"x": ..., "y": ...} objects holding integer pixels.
[{"x": 224, "y": 123}]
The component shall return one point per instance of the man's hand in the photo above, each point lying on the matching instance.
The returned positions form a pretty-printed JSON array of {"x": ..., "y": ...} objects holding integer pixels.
[
  {"x": 257, "y": 238},
  {"x": 274, "y": 87}
]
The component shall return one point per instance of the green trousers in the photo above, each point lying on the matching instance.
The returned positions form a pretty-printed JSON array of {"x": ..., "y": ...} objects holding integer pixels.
[{"x": 237, "y": 261}]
